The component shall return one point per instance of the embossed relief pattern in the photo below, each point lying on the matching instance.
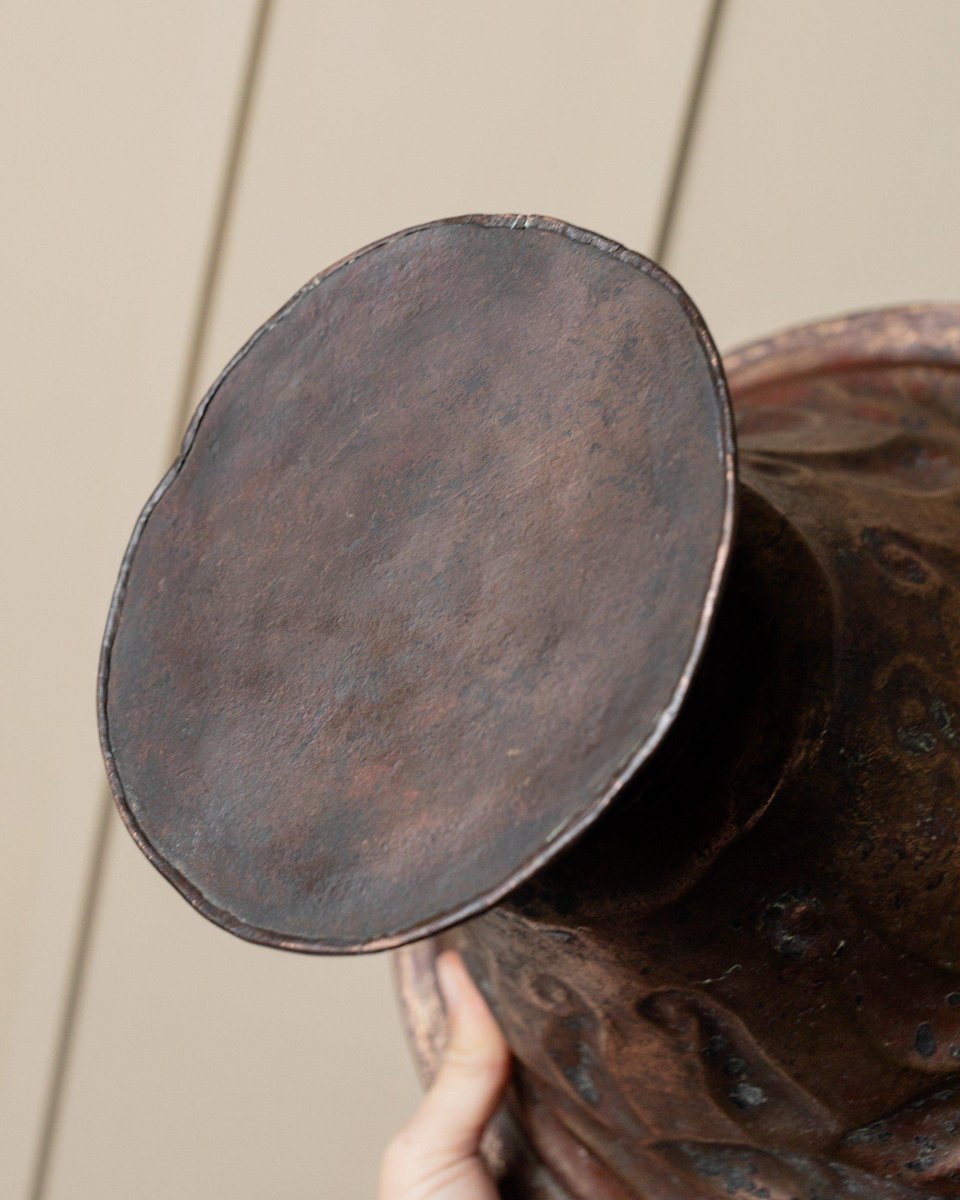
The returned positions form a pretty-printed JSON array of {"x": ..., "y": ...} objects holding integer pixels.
[{"x": 745, "y": 980}]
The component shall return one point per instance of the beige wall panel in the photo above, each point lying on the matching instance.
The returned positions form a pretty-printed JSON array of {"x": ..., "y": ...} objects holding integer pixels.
[
  {"x": 113, "y": 122},
  {"x": 826, "y": 169},
  {"x": 204, "y": 1067},
  {"x": 211, "y": 1069},
  {"x": 378, "y": 115}
]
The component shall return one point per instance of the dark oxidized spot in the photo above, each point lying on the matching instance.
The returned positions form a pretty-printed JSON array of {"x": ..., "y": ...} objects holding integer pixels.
[
  {"x": 915, "y": 739},
  {"x": 925, "y": 1043}
]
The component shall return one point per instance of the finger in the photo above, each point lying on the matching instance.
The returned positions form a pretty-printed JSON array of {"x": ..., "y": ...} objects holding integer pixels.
[{"x": 473, "y": 1071}]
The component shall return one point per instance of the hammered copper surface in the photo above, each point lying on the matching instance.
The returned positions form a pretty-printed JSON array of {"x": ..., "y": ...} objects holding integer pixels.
[
  {"x": 428, "y": 581},
  {"x": 746, "y": 981}
]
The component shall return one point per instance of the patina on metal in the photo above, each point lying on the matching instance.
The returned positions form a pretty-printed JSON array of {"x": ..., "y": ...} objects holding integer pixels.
[
  {"x": 442, "y": 613},
  {"x": 427, "y": 583},
  {"x": 745, "y": 980}
]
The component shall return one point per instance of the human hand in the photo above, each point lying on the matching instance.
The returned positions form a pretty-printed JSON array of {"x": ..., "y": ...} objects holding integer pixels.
[{"x": 436, "y": 1155}]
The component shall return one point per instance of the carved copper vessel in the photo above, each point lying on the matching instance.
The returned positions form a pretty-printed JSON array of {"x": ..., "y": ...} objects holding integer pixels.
[{"x": 459, "y": 621}]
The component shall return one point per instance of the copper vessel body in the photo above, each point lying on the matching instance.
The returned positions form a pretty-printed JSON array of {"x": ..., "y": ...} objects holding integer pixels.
[
  {"x": 456, "y": 619},
  {"x": 745, "y": 979}
]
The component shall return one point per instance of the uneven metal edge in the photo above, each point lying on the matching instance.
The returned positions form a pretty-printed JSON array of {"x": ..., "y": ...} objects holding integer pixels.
[
  {"x": 894, "y": 335},
  {"x": 594, "y": 806}
]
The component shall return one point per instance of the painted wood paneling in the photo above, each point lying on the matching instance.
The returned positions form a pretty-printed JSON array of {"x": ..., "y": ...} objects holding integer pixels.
[
  {"x": 380, "y": 116},
  {"x": 825, "y": 171},
  {"x": 113, "y": 119},
  {"x": 205, "y": 1067}
]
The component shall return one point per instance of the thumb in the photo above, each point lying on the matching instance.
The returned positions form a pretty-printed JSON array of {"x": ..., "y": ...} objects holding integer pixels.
[
  {"x": 440, "y": 1144},
  {"x": 474, "y": 1068}
]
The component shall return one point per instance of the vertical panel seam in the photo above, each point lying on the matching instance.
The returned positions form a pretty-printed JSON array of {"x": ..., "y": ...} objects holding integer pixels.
[
  {"x": 78, "y": 968},
  {"x": 218, "y": 237},
  {"x": 685, "y": 141}
]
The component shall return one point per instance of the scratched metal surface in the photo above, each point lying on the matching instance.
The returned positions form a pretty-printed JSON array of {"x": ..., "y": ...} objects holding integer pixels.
[{"x": 427, "y": 583}]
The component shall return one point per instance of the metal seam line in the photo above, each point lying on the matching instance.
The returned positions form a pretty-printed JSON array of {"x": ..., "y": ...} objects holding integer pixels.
[{"x": 77, "y": 974}]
